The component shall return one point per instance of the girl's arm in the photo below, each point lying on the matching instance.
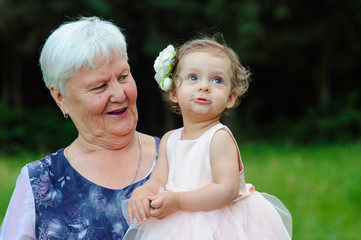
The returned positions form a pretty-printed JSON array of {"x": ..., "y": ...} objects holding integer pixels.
[
  {"x": 223, "y": 190},
  {"x": 139, "y": 201}
]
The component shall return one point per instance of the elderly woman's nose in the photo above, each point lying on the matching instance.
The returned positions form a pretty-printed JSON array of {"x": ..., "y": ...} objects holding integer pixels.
[{"x": 117, "y": 92}]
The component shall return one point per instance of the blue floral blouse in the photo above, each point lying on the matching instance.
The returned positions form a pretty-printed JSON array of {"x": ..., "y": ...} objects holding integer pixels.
[{"x": 68, "y": 206}]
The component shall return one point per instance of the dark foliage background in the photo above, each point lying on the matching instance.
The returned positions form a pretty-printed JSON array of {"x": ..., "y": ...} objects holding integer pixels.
[{"x": 304, "y": 57}]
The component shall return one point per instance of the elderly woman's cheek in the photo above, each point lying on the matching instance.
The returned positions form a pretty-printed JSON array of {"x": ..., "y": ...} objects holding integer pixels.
[{"x": 132, "y": 93}]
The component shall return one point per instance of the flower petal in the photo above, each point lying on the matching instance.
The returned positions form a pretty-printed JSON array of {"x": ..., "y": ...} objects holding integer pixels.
[{"x": 166, "y": 84}]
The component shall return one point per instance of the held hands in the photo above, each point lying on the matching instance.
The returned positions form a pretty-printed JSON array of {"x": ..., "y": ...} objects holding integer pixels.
[
  {"x": 164, "y": 204},
  {"x": 139, "y": 205},
  {"x": 143, "y": 204}
]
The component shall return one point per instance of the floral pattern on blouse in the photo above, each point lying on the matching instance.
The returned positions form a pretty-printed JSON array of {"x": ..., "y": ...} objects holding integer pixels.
[{"x": 68, "y": 206}]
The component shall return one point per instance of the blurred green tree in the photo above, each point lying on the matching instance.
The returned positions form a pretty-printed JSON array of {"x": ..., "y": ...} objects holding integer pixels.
[{"x": 301, "y": 53}]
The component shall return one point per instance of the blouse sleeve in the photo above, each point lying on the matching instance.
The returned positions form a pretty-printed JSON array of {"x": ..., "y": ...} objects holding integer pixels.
[{"x": 19, "y": 221}]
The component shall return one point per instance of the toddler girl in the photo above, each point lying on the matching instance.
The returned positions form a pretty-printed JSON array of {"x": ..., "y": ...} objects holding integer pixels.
[{"x": 197, "y": 189}]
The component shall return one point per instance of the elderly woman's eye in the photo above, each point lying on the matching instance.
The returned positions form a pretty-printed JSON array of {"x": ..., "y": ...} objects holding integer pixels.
[
  {"x": 100, "y": 86},
  {"x": 123, "y": 77}
]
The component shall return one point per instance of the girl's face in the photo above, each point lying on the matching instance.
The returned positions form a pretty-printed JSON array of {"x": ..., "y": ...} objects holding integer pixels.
[
  {"x": 102, "y": 101},
  {"x": 203, "y": 88}
]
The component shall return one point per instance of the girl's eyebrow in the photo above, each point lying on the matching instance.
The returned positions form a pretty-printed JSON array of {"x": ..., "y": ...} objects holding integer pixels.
[{"x": 191, "y": 69}]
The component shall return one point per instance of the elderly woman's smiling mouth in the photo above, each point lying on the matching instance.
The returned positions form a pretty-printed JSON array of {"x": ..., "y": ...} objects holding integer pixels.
[{"x": 119, "y": 112}]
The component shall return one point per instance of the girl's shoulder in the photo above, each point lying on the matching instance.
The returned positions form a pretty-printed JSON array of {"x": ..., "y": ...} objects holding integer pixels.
[
  {"x": 171, "y": 133},
  {"x": 219, "y": 131},
  {"x": 222, "y": 136}
]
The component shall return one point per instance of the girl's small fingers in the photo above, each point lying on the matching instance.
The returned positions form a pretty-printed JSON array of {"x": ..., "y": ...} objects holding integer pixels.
[
  {"x": 156, "y": 203},
  {"x": 152, "y": 197},
  {"x": 141, "y": 214},
  {"x": 133, "y": 212},
  {"x": 146, "y": 207},
  {"x": 130, "y": 215},
  {"x": 136, "y": 215},
  {"x": 156, "y": 213}
]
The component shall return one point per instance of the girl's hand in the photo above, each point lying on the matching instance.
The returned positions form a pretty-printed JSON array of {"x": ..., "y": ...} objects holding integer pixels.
[
  {"x": 139, "y": 205},
  {"x": 164, "y": 205}
]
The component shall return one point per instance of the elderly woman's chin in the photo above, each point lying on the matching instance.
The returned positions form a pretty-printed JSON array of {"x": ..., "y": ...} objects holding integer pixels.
[
  {"x": 122, "y": 124},
  {"x": 125, "y": 126},
  {"x": 108, "y": 129}
]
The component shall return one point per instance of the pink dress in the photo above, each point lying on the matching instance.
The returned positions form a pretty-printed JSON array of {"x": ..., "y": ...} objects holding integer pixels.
[{"x": 252, "y": 216}]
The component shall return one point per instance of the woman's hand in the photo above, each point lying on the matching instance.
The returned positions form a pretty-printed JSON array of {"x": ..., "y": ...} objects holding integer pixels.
[
  {"x": 164, "y": 204},
  {"x": 139, "y": 205}
]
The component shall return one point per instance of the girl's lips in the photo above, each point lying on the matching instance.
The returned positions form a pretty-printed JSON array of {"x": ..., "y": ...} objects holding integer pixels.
[
  {"x": 119, "y": 112},
  {"x": 202, "y": 100}
]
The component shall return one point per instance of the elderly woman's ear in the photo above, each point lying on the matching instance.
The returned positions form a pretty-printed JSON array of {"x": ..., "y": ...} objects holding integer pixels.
[{"x": 59, "y": 99}]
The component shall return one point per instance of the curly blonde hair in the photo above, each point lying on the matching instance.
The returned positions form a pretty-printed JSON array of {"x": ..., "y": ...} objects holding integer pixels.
[{"x": 240, "y": 76}]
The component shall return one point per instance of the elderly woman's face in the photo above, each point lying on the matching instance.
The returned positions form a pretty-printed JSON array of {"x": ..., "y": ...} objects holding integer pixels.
[{"x": 102, "y": 101}]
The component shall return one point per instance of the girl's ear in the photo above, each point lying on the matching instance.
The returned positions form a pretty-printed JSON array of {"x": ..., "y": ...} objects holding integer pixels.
[
  {"x": 59, "y": 99},
  {"x": 231, "y": 99},
  {"x": 173, "y": 96}
]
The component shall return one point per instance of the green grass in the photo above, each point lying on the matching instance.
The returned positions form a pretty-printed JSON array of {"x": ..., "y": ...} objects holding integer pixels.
[{"x": 319, "y": 184}]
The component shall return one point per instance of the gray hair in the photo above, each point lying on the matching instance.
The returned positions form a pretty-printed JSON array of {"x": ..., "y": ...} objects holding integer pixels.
[{"x": 87, "y": 42}]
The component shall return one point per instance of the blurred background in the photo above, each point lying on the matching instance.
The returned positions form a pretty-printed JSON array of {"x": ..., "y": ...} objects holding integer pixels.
[
  {"x": 305, "y": 93},
  {"x": 304, "y": 57}
]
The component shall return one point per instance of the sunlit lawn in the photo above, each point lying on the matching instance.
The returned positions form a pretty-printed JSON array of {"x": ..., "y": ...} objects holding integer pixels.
[{"x": 320, "y": 184}]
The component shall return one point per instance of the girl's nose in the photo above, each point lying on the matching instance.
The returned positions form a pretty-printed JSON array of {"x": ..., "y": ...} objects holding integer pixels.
[{"x": 204, "y": 86}]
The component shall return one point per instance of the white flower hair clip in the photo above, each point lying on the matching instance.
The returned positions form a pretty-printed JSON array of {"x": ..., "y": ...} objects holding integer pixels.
[{"x": 163, "y": 67}]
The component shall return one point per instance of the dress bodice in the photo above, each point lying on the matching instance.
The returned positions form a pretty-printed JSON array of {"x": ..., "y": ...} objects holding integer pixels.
[{"x": 189, "y": 160}]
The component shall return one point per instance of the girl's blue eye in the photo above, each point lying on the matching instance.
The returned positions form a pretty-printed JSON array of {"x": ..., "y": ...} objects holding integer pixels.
[
  {"x": 217, "y": 80},
  {"x": 192, "y": 78}
]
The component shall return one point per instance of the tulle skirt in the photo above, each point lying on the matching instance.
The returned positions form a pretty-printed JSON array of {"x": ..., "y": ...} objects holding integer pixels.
[{"x": 259, "y": 216}]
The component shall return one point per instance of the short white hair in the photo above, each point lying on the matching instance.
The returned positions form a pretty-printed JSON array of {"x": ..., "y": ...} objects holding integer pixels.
[{"x": 87, "y": 42}]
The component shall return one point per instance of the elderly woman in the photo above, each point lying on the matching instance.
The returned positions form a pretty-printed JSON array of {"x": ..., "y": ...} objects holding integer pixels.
[{"x": 81, "y": 191}]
